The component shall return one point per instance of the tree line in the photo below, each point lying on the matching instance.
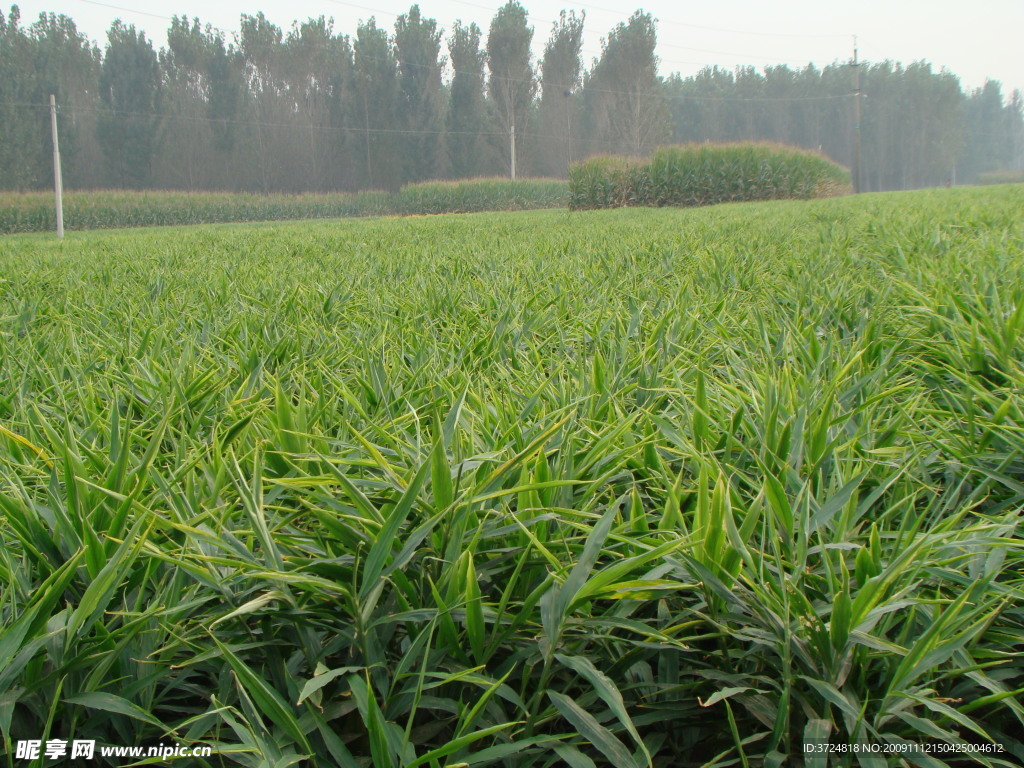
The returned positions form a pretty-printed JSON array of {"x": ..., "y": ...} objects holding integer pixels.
[{"x": 311, "y": 108}]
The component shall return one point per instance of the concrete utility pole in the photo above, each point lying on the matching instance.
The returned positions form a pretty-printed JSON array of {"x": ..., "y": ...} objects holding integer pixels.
[
  {"x": 513, "y": 151},
  {"x": 568, "y": 130},
  {"x": 856, "y": 119},
  {"x": 58, "y": 183}
]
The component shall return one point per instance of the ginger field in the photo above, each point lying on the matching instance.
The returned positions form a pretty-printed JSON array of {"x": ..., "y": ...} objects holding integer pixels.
[{"x": 731, "y": 486}]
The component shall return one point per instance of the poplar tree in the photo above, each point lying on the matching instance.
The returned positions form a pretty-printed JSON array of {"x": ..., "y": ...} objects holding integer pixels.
[
  {"x": 375, "y": 94},
  {"x": 315, "y": 66},
  {"x": 261, "y": 47},
  {"x": 185, "y": 158},
  {"x": 19, "y": 148},
  {"x": 988, "y": 133},
  {"x": 418, "y": 48},
  {"x": 130, "y": 94},
  {"x": 468, "y": 152},
  {"x": 225, "y": 94},
  {"x": 561, "y": 76},
  {"x": 626, "y": 108},
  {"x": 512, "y": 83}
]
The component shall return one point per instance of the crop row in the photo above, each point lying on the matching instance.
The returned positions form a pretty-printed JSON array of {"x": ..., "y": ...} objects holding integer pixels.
[{"x": 35, "y": 212}]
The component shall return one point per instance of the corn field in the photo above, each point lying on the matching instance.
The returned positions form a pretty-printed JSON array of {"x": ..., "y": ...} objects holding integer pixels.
[
  {"x": 644, "y": 487},
  {"x": 111, "y": 209},
  {"x": 706, "y": 174}
]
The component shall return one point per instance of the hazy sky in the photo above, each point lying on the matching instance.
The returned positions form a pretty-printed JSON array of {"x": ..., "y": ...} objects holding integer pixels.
[{"x": 976, "y": 40}]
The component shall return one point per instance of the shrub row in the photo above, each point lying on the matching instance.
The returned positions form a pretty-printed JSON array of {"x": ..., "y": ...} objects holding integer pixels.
[
  {"x": 704, "y": 174},
  {"x": 34, "y": 212}
]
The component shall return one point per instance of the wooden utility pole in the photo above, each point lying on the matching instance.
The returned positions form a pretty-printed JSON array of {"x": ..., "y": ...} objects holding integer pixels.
[
  {"x": 58, "y": 182},
  {"x": 856, "y": 119}
]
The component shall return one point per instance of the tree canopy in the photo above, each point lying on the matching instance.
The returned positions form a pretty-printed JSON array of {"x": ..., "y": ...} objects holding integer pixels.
[{"x": 315, "y": 108}]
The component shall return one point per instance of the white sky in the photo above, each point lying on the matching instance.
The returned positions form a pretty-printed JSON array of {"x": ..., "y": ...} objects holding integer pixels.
[{"x": 976, "y": 40}]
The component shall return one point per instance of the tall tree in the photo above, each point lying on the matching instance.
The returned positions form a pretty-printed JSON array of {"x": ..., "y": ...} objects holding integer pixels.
[
  {"x": 312, "y": 54},
  {"x": 130, "y": 92},
  {"x": 49, "y": 57},
  {"x": 418, "y": 47},
  {"x": 913, "y": 121},
  {"x": 698, "y": 112},
  {"x": 225, "y": 75},
  {"x": 185, "y": 156},
  {"x": 626, "y": 106},
  {"x": 512, "y": 84},
  {"x": 988, "y": 139},
  {"x": 338, "y": 79},
  {"x": 469, "y": 153},
  {"x": 17, "y": 120},
  {"x": 561, "y": 77},
  {"x": 261, "y": 46},
  {"x": 67, "y": 65},
  {"x": 375, "y": 106},
  {"x": 1015, "y": 110}
]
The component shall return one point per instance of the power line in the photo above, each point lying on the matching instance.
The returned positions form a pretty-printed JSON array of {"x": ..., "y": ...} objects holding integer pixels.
[
  {"x": 540, "y": 19},
  {"x": 512, "y": 79},
  {"x": 269, "y": 124},
  {"x": 755, "y": 33},
  {"x": 501, "y": 78},
  {"x": 126, "y": 10},
  {"x": 672, "y": 22},
  {"x": 661, "y": 44},
  {"x": 256, "y": 123},
  {"x": 365, "y": 8},
  {"x": 678, "y": 24},
  {"x": 400, "y": 131},
  {"x": 689, "y": 97},
  {"x": 724, "y": 53},
  {"x": 546, "y": 21},
  {"x": 304, "y": 126}
]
